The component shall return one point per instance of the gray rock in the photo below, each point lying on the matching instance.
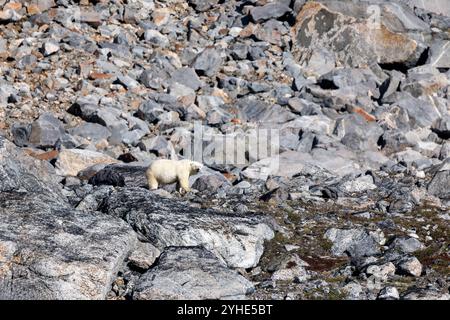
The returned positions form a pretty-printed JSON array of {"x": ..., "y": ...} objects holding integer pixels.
[
  {"x": 354, "y": 242},
  {"x": 59, "y": 253},
  {"x": 21, "y": 134},
  {"x": 46, "y": 131},
  {"x": 91, "y": 131},
  {"x": 209, "y": 182},
  {"x": 358, "y": 134},
  {"x": 406, "y": 245},
  {"x": 132, "y": 175},
  {"x": 388, "y": 293},
  {"x": 421, "y": 113},
  {"x": 439, "y": 55},
  {"x": 156, "y": 38},
  {"x": 425, "y": 294},
  {"x": 292, "y": 269},
  {"x": 435, "y": 6},
  {"x": 208, "y": 62},
  {"x": 191, "y": 273},
  {"x": 160, "y": 146},
  {"x": 203, "y": 5},
  {"x": 68, "y": 255},
  {"x": 381, "y": 272},
  {"x": 441, "y": 180},
  {"x": 49, "y": 48},
  {"x": 269, "y": 11},
  {"x": 361, "y": 184},
  {"x": 143, "y": 256},
  {"x": 22, "y": 173},
  {"x": 150, "y": 111},
  {"x": 347, "y": 30},
  {"x": 291, "y": 163},
  {"x": 442, "y": 127},
  {"x": 154, "y": 78},
  {"x": 235, "y": 239},
  {"x": 410, "y": 266},
  {"x": 252, "y": 110},
  {"x": 71, "y": 161},
  {"x": 187, "y": 77}
]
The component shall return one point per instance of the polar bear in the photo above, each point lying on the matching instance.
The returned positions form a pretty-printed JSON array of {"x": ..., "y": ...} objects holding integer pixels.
[{"x": 164, "y": 171}]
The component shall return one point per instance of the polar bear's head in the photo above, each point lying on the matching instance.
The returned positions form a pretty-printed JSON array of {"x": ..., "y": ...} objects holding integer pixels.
[{"x": 195, "y": 166}]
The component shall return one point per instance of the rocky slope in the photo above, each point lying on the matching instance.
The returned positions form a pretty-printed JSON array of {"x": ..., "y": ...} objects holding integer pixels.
[{"x": 353, "y": 204}]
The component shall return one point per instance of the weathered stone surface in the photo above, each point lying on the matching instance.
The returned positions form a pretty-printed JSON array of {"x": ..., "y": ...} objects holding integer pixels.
[
  {"x": 436, "y": 6},
  {"x": 208, "y": 62},
  {"x": 410, "y": 266},
  {"x": 71, "y": 161},
  {"x": 354, "y": 242},
  {"x": 439, "y": 185},
  {"x": 46, "y": 131},
  {"x": 269, "y": 11},
  {"x": 291, "y": 163},
  {"x": 439, "y": 56},
  {"x": 47, "y": 249},
  {"x": 237, "y": 240},
  {"x": 130, "y": 175},
  {"x": 143, "y": 256},
  {"x": 58, "y": 252},
  {"x": 22, "y": 173},
  {"x": 354, "y": 42},
  {"x": 191, "y": 273}
]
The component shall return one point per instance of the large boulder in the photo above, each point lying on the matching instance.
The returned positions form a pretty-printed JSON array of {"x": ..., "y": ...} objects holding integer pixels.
[
  {"x": 358, "y": 34},
  {"x": 47, "y": 249},
  {"x": 191, "y": 273},
  {"x": 236, "y": 239},
  {"x": 22, "y": 173},
  {"x": 439, "y": 185},
  {"x": 50, "y": 251},
  {"x": 71, "y": 161}
]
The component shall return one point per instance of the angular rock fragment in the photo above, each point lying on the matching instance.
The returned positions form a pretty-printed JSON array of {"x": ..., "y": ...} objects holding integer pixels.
[{"x": 191, "y": 273}]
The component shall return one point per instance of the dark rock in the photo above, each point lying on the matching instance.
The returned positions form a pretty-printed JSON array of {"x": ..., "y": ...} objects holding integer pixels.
[
  {"x": 119, "y": 175},
  {"x": 91, "y": 131},
  {"x": 354, "y": 242},
  {"x": 209, "y": 182},
  {"x": 191, "y": 273},
  {"x": 182, "y": 225},
  {"x": 21, "y": 134},
  {"x": 187, "y": 77},
  {"x": 406, "y": 245},
  {"x": 46, "y": 131},
  {"x": 64, "y": 253},
  {"x": 208, "y": 62},
  {"x": 441, "y": 180},
  {"x": 269, "y": 11}
]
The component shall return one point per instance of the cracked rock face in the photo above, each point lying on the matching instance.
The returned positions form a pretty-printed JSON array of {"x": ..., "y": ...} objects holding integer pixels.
[
  {"x": 236, "y": 239},
  {"x": 355, "y": 41},
  {"x": 191, "y": 273},
  {"x": 51, "y": 252},
  {"x": 47, "y": 249}
]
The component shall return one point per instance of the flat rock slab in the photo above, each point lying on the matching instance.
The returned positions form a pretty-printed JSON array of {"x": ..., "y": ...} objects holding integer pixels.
[
  {"x": 236, "y": 239},
  {"x": 191, "y": 273},
  {"x": 71, "y": 161}
]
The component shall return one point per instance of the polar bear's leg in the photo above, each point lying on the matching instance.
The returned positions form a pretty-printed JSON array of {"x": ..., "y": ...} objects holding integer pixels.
[
  {"x": 152, "y": 182},
  {"x": 184, "y": 182}
]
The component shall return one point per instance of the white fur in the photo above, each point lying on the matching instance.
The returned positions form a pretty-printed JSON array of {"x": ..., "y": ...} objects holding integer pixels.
[{"x": 164, "y": 171}]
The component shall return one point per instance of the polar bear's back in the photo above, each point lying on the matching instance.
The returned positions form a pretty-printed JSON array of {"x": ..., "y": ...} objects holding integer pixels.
[{"x": 167, "y": 171}]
